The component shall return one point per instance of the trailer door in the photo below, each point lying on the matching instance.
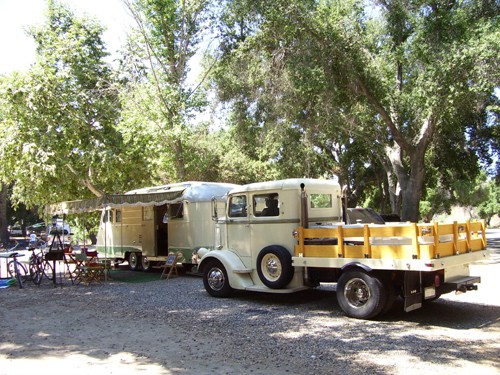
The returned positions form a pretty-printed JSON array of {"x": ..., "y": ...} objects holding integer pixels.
[
  {"x": 161, "y": 230},
  {"x": 148, "y": 231}
]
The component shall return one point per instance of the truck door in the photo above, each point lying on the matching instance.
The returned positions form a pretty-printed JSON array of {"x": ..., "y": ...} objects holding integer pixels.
[{"x": 238, "y": 228}]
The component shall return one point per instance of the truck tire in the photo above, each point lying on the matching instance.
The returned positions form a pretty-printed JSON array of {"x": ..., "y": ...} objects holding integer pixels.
[
  {"x": 146, "y": 265},
  {"x": 215, "y": 279},
  {"x": 133, "y": 261},
  {"x": 361, "y": 295},
  {"x": 391, "y": 296},
  {"x": 274, "y": 266}
]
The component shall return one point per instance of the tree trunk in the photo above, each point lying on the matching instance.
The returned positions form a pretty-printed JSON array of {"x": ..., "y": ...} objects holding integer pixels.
[
  {"x": 392, "y": 189},
  {"x": 179, "y": 161},
  {"x": 4, "y": 234},
  {"x": 412, "y": 183}
]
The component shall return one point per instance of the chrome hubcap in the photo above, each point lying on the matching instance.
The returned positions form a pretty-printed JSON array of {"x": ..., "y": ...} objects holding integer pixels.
[
  {"x": 356, "y": 292},
  {"x": 272, "y": 266},
  {"x": 216, "y": 279}
]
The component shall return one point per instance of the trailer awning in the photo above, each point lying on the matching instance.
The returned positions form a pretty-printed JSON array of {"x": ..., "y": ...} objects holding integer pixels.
[{"x": 114, "y": 200}]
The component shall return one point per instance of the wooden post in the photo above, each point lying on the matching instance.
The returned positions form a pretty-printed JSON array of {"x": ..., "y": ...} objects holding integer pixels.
[
  {"x": 340, "y": 237},
  {"x": 367, "y": 246}
]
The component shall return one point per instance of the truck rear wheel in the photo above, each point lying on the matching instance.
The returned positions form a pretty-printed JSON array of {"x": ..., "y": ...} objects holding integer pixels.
[
  {"x": 215, "y": 279},
  {"x": 274, "y": 266},
  {"x": 133, "y": 261},
  {"x": 361, "y": 295}
]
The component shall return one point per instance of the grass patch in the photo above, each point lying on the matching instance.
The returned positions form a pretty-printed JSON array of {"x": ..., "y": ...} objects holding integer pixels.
[{"x": 128, "y": 276}]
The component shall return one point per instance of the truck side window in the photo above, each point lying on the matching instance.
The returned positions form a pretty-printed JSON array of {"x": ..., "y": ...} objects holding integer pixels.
[
  {"x": 238, "y": 206},
  {"x": 321, "y": 201},
  {"x": 266, "y": 205}
]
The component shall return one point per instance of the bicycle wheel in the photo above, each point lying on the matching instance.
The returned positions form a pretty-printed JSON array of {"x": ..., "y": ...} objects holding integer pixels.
[
  {"x": 21, "y": 275},
  {"x": 48, "y": 270},
  {"x": 35, "y": 272}
]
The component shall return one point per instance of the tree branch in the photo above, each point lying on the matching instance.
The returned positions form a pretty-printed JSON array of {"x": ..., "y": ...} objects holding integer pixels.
[{"x": 87, "y": 181}]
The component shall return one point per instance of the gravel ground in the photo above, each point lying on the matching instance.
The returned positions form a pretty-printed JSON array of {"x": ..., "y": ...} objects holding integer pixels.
[{"x": 175, "y": 327}]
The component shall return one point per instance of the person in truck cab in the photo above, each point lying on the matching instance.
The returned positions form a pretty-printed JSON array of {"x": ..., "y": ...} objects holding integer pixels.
[{"x": 271, "y": 207}]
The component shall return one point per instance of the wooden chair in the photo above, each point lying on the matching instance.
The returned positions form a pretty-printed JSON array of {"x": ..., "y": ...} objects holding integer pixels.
[{"x": 170, "y": 266}]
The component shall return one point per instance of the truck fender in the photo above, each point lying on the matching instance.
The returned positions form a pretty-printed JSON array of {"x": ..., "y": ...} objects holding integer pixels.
[
  {"x": 233, "y": 265},
  {"x": 348, "y": 266}
]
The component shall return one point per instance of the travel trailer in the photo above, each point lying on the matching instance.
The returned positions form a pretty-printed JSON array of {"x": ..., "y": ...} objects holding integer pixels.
[{"x": 145, "y": 233}]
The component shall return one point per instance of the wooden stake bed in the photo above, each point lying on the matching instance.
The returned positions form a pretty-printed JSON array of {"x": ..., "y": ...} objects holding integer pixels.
[{"x": 391, "y": 242}]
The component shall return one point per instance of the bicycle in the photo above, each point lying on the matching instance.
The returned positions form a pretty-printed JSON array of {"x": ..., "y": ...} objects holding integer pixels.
[
  {"x": 38, "y": 266},
  {"x": 16, "y": 269}
]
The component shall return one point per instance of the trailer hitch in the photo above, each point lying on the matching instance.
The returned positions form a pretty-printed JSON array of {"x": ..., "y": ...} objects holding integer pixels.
[{"x": 464, "y": 288}]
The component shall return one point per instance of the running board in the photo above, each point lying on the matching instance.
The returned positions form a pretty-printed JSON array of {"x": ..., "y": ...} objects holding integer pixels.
[{"x": 262, "y": 288}]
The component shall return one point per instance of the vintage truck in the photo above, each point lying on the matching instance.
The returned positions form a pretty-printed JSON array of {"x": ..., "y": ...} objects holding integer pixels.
[{"x": 286, "y": 236}]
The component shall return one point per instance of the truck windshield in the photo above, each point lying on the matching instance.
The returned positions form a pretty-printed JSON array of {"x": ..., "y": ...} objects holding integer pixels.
[{"x": 238, "y": 206}]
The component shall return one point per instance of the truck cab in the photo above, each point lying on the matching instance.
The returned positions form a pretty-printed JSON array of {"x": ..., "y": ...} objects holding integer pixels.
[{"x": 255, "y": 237}]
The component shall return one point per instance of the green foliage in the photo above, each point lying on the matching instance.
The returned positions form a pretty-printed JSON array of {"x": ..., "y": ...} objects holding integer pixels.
[
  {"x": 58, "y": 120},
  {"x": 393, "y": 96},
  {"x": 161, "y": 100},
  {"x": 491, "y": 205},
  {"x": 371, "y": 87}
]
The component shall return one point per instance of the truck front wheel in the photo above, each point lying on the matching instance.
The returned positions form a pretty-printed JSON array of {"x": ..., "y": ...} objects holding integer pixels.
[
  {"x": 361, "y": 295},
  {"x": 215, "y": 279},
  {"x": 274, "y": 266}
]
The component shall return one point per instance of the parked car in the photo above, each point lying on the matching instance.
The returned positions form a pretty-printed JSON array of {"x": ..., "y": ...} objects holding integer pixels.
[
  {"x": 64, "y": 233},
  {"x": 38, "y": 228},
  {"x": 363, "y": 216},
  {"x": 16, "y": 230}
]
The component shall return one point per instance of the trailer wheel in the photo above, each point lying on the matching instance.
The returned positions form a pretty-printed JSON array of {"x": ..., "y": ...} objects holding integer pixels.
[
  {"x": 215, "y": 279},
  {"x": 146, "y": 265},
  {"x": 361, "y": 295},
  {"x": 133, "y": 261},
  {"x": 274, "y": 266}
]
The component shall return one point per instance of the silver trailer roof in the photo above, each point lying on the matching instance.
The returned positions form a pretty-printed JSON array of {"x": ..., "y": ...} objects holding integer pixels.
[
  {"x": 192, "y": 191},
  {"x": 159, "y": 195}
]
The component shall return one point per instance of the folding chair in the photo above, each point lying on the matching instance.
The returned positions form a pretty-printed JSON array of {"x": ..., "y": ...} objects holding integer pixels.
[{"x": 170, "y": 265}]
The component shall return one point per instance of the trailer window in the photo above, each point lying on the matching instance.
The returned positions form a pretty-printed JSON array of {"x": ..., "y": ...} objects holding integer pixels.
[
  {"x": 118, "y": 216},
  {"x": 108, "y": 216},
  {"x": 238, "y": 206},
  {"x": 266, "y": 205},
  {"x": 175, "y": 211},
  {"x": 321, "y": 201},
  {"x": 147, "y": 213}
]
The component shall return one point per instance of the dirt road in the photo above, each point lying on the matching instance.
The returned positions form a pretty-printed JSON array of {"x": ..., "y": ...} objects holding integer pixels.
[{"x": 174, "y": 327}]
